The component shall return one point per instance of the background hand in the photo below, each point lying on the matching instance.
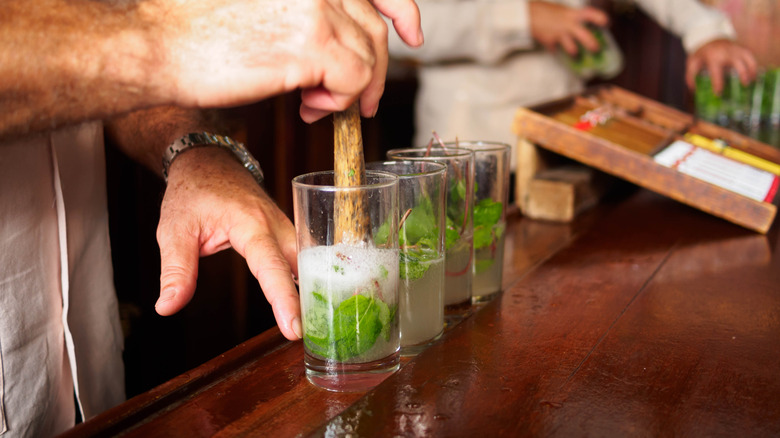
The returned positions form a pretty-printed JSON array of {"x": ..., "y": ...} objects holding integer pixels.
[
  {"x": 554, "y": 26},
  {"x": 718, "y": 57}
]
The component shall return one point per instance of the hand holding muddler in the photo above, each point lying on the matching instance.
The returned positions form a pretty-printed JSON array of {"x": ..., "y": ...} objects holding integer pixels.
[{"x": 351, "y": 213}]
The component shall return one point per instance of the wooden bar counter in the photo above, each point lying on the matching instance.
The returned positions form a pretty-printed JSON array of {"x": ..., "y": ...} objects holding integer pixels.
[{"x": 644, "y": 317}]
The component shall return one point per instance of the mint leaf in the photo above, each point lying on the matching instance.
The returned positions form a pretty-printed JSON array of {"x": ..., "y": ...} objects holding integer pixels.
[
  {"x": 451, "y": 234},
  {"x": 415, "y": 262},
  {"x": 381, "y": 235},
  {"x": 357, "y": 325},
  {"x": 487, "y": 213},
  {"x": 317, "y": 323},
  {"x": 419, "y": 224},
  {"x": 455, "y": 201}
]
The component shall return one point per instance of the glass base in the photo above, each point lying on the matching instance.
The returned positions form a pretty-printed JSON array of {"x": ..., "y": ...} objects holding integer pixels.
[
  {"x": 484, "y": 298},
  {"x": 414, "y": 350},
  {"x": 455, "y": 313},
  {"x": 350, "y": 377}
]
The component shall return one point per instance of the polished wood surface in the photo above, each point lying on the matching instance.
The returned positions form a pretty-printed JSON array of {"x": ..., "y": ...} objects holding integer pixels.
[{"x": 644, "y": 317}]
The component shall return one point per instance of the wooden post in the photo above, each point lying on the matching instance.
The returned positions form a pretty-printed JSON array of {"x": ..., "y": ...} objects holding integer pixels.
[{"x": 351, "y": 212}]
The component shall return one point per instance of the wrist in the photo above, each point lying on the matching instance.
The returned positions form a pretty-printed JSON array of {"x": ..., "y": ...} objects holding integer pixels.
[{"x": 202, "y": 140}]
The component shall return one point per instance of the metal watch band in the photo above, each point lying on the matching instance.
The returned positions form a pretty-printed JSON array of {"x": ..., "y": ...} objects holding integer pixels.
[{"x": 200, "y": 139}]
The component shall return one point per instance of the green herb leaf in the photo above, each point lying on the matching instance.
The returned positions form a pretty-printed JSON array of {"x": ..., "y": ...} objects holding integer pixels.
[
  {"x": 318, "y": 316},
  {"x": 357, "y": 325},
  {"x": 487, "y": 213},
  {"x": 420, "y": 223},
  {"x": 451, "y": 233},
  {"x": 414, "y": 263}
]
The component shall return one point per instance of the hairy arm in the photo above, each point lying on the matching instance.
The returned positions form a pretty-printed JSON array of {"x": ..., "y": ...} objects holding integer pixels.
[
  {"x": 69, "y": 61},
  {"x": 64, "y": 62}
]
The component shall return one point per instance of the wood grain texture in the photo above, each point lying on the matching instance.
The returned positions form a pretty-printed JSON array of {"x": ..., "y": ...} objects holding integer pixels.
[
  {"x": 643, "y": 317},
  {"x": 351, "y": 214}
]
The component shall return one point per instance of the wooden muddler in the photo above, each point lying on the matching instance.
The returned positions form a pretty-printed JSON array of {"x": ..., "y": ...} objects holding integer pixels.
[{"x": 351, "y": 209}]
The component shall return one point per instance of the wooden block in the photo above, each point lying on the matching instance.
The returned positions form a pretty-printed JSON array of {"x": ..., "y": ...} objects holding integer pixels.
[
  {"x": 560, "y": 194},
  {"x": 529, "y": 163},
  {"x": 531, "y": 160}
]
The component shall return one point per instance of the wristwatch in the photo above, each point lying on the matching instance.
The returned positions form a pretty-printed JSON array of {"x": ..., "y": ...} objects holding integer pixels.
[{"x": 201, "y": 139}]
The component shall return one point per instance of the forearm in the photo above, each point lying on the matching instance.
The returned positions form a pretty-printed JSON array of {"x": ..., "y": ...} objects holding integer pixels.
[
  {"x": 64, "y": 62},
  {"x": 143, "y": 135},
  {"x": 693, "y": 22}
]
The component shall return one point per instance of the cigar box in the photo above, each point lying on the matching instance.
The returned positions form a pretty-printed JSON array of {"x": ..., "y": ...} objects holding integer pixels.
[{"x": 649, "y": 144}]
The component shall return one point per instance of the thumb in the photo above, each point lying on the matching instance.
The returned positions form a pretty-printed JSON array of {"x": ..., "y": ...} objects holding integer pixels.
[{"x": 178, "y": 271}]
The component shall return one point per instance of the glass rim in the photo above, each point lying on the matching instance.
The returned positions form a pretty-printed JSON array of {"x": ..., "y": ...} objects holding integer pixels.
[
  {"x": 390, "y": 180},
  {"x": 479, "y": 145},
  {"x": 437, "y": 168},
  {"x": 456, "y": 153}
]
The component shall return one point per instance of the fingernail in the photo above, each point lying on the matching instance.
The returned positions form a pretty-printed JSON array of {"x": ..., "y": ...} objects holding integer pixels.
[{"x": 296, "y": 326}]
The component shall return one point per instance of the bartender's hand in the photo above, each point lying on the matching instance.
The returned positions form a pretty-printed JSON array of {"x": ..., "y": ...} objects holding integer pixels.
[
  {"x": 213, "y": 203},
  {"x": 718, "y": 57},
  {"x": 554, "y": 25},
  {"x": 230, "y": 52}
]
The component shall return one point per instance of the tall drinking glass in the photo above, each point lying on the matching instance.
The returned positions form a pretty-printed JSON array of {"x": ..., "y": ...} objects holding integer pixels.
[
  {"x": 491, "y": 196},
  {"x": 421, "y": 190},
  {"x": 459, "y": 225},
  {"x": 348, "y": 286}
]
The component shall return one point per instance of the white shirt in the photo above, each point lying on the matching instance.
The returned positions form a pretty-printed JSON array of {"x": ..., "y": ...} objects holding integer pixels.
[
  {"x": 479, "y": 63},
  {"x": 59, "y": 321}
]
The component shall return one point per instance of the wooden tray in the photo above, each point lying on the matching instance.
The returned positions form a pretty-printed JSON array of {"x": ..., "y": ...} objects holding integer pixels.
[{"x": 625, "y": 145}]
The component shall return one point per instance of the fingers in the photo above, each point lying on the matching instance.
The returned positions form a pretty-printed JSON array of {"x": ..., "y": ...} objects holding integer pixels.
[
  {"x": 594, "y": 15},
  {"x": 375, "y": 29},
  {"x": 406, "y": 19},
  {"x": 715, "y": 70},
  {"x": 268, "y": 263},
  {"x": 362, "y": 42},
  {"x": 747, "y": 67},
  {"x": 742, "y": 70},
  {"x": 568, "y": 44},
  {"x": 692, "y": 69},
  {"x": 586, "y": 38},
  {"x": 718, "y": 57},
  {"x": 354, "y": 64},
  {"x": 179, "y": 254}
]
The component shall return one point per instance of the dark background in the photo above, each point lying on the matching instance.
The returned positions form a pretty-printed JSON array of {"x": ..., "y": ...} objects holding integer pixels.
[{"x": 229, "y": 306}]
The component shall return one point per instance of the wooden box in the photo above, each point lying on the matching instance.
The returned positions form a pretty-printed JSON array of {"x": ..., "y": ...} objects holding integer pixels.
[{"x": 637, "y": 139}]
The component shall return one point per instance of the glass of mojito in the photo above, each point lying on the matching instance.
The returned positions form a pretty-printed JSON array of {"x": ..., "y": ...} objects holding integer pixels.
[
  {"x": 459, "y": 228},
  {"x": 348, "y": 288},
  {"x": 491, "y": 195},
  {"x": 421, "y": 190}
]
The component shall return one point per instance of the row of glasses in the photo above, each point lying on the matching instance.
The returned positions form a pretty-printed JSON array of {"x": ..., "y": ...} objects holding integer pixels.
[{"x": 436, "y": 243}]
